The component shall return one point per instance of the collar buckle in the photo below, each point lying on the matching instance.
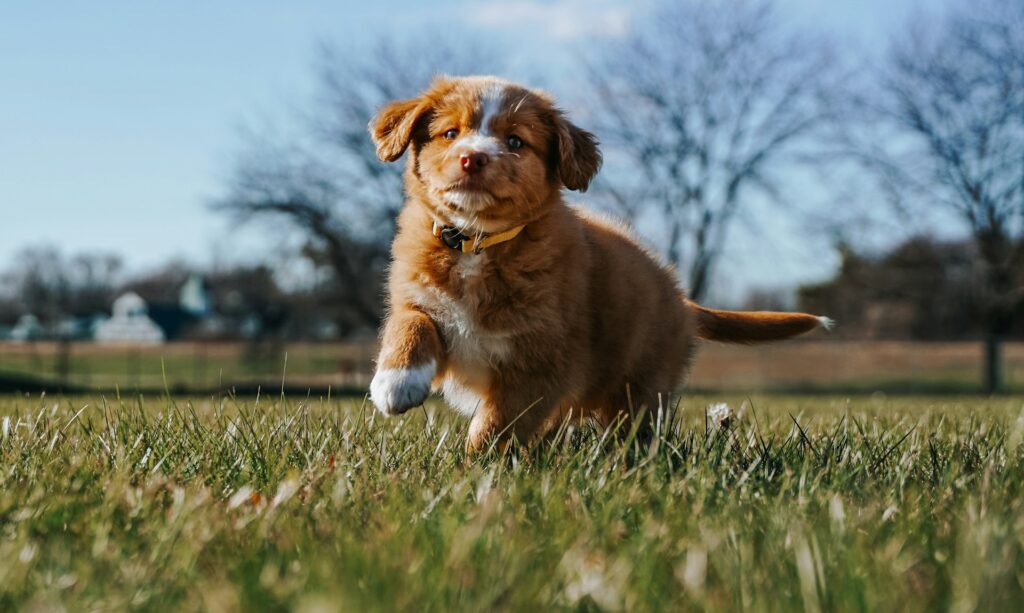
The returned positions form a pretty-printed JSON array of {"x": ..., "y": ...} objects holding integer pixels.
[{"x": 453, "y": 238}]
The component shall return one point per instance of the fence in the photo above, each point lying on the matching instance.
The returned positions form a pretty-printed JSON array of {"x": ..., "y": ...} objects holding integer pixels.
[{"x": 854, "y": 366}]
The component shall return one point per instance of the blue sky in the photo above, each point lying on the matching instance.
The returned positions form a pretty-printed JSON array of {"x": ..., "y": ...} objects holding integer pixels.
[{"x": 118, "y": 119}]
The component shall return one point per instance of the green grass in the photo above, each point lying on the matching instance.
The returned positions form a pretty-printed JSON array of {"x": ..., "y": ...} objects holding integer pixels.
[
  {"x": 868, "y": 503},
  {"x": 152, "y": 369}
]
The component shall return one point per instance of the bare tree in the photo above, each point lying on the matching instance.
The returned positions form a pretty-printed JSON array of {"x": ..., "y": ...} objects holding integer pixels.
[
  {"x": 700, "y": 108},
  {"x": 950, "y": 112},
  {"x": 43, "y": 282},
  {"x": 327, "y": 181}
]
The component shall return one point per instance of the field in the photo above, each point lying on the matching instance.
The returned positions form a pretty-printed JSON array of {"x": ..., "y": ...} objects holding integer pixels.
[
  {"x": 208, "y": 367},
  {"x": 815, "y": 503}
]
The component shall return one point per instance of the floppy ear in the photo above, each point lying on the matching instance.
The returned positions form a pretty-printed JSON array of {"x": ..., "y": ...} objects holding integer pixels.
[
  {"x": 578, "y": 158},
  {"x": 392, "y": 128}
]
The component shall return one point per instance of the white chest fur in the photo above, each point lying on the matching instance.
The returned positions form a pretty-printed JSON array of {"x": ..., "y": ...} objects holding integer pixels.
[{"x": 473, "y": 351}]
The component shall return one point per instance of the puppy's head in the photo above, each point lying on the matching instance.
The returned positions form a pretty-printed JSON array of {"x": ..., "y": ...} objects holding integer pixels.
[{"x": 485, "y": 153}]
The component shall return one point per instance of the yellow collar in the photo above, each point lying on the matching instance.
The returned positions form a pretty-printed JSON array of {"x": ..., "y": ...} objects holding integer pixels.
[{"x": 460, "y": 242}]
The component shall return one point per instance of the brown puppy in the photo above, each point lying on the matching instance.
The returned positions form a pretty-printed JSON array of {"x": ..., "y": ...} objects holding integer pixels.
[{"x": 519, "y": 309}]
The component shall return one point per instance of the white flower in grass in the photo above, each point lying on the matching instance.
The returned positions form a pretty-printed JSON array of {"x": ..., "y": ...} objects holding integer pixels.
[{"x": 720, "y": 414}]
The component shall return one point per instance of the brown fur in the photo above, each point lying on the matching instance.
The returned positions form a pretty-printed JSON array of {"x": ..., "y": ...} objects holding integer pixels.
[
  {"x": 571, "y": 317},
  {"x": 751, "y": 328}
]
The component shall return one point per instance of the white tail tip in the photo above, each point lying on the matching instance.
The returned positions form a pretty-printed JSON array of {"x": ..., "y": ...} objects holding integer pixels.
[{"x": 827, "y": 323}]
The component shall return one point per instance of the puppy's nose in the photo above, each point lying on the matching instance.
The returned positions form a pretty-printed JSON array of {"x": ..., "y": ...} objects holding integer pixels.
[{"x": 473, "y": 162}]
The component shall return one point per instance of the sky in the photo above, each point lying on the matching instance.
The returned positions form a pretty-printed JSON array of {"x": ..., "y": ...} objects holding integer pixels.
[{"x": 119, "y": 120}]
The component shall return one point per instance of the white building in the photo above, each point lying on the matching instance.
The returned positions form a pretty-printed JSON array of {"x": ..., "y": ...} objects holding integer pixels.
[
  {"x": 130, "y": 323},
  {"x": 28, "y": 328},
  {"x": 193, "y": 298}
]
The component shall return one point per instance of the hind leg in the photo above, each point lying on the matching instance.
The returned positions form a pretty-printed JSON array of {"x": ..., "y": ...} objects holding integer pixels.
[{"x": 635, "y": 408}]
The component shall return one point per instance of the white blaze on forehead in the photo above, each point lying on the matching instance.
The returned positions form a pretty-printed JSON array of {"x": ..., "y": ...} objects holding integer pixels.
[
  {"x": 490, "y": 103},
  {"x": 484, "y": 139}
]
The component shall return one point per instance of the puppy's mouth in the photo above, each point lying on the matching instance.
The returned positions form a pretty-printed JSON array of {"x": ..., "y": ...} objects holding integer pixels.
[
  {"x": 468, "y": 194},
  {"x": 471, "y": 183}
]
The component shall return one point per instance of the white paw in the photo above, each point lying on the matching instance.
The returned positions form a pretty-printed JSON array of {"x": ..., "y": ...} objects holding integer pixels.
[{"x": 396, "y": 390}]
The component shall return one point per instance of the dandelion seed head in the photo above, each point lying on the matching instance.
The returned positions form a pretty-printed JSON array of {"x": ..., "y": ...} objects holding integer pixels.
[{"x": 720, "y": 414}]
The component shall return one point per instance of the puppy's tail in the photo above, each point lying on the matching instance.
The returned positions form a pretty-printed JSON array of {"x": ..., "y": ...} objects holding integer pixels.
[{"x": 750, "y": 327}]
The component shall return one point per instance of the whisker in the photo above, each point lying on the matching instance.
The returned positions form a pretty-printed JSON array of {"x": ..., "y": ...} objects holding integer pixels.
[{"x": 521, "y": 101}]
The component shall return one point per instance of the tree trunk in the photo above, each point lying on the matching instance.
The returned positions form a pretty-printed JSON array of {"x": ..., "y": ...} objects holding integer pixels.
[
  {"x": 995, "y": 249},
  {"x": 993, "y": 363},
  {"x": 701, "y": 269},
  {"x": 698, "y": 279}
]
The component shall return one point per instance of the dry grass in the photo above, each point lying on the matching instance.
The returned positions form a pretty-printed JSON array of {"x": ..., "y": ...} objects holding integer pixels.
[{"x": 860, "y": 365}]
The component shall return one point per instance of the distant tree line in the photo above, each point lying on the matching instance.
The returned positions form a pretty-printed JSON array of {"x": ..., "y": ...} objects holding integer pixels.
[
  {"x": 45, "y": 283},
  {"x": 244, "y": 301},
  {"x": 923, "y": 289}
]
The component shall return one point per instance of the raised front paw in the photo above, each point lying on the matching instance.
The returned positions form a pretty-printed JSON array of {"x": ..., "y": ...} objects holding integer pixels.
[{"x": 396, "y": 390}]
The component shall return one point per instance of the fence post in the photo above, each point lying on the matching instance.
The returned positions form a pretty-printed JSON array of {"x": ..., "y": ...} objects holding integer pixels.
[
  {"x": 63, "y": 366},
  {"x": 993, "y": 380}
]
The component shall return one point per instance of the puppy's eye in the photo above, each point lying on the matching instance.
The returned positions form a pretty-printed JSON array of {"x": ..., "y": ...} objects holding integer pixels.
[
  {"x": 451, "y": 134},
  {"x": 514, "y": 142}
]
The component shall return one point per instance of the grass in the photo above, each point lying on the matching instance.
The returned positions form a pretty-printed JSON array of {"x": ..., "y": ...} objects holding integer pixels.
[
  {"x": 183, "y": 365},
  {"x": 205, "y": 367},
  {"x": 815, "y": 503}
]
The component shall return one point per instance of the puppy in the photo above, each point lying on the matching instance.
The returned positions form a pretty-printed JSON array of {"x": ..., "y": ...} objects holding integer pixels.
[{"x": 519, "y": 309}]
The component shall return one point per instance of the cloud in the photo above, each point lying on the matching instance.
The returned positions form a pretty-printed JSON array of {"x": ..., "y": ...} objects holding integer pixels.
[{"x": 563, "y": 20}]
